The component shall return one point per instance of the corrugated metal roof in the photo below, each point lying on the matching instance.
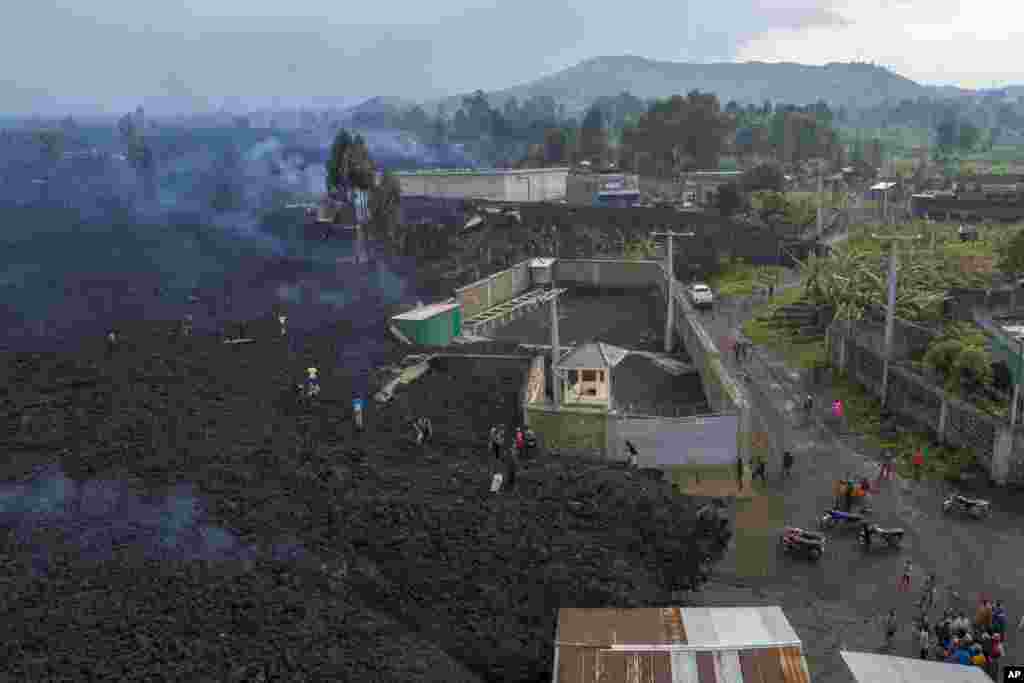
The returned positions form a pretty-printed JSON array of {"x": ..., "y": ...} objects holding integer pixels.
[
  {"x": 871, "y": 668},
  {"x": 593, "y": 355},
  {"x": 681, "y": 645},
  {"x": 425, "y": 312},
  {"x": 599, "y": 665},
  {"x": 736, "y": 627}
]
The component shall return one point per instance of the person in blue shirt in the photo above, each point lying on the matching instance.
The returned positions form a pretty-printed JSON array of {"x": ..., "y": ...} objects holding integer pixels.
[{"x": 312, "y": 383}]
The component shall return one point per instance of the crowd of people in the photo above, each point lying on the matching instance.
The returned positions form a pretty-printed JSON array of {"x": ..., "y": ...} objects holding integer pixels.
[{"x": 953, "y": 637}]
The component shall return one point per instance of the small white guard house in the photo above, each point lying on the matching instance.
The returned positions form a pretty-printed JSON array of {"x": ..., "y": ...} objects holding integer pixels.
[{"x": 587, "y": 373}]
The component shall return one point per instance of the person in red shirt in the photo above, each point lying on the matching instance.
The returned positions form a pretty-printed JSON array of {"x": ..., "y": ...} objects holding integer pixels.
[
  {"x": 520, "y": 442},
  {"x": 918, "y": 463}
]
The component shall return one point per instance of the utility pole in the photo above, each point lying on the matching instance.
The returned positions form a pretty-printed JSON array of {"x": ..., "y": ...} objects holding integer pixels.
[
  {"x": 821, "y": 199},
  {"x": 556, "y": 353},
  {"x": 890, "y": 313},
  {"x": 670, "y": 315},
  {"x": 1016, "y": 384}
]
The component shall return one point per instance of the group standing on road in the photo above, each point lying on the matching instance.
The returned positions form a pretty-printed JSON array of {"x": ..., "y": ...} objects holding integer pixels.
[{"x": 954, "y": 638}]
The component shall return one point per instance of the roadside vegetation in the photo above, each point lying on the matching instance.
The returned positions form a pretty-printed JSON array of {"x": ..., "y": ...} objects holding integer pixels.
[
  {"x": 767, "y": 329},
  {"x": 737, "y": 278},
  {"x": 862, "y": 410},
  {"x": 855, "y": 276}
]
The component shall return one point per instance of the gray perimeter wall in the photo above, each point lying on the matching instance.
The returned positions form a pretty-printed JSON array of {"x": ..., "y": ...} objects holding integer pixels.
[
  {"x": 713, "y": 439},
  {"x": 662, "y": 442},
  {"x": 607, "y": 273}
]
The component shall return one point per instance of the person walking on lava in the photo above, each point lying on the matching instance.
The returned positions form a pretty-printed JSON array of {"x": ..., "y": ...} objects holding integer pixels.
[
  {"x": 908, "y": 567},
  {"x": 497, "y": 441}
]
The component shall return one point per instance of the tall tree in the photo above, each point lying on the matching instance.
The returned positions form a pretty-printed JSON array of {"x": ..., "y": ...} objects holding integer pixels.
[
  {"x": 52, "y": 142},
  {"x": 946, "y": 135},
  {"x": 126, "y": 128},
  {"x": 349, "y": 166},
  {"x": 594, "y": 136},
  {"x": 969, "y": 136},
  {"x": 385, "y": 208},
  {"x": 556, "y": 143}
]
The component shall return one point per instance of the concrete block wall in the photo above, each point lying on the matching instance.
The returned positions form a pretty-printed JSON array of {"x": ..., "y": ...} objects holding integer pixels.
[
  {"x": 454, "y": 186},
  {"x": 607, "y": 273},
  {"x": 568, "y": 431},
  {"x": 910, "y": 395},
  {"x": 589, "y": 433},
  {"x": 492, "y": 290}
]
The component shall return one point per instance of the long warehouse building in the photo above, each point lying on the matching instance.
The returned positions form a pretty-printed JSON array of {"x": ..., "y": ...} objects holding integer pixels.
[{"x": 515, "y": 185}]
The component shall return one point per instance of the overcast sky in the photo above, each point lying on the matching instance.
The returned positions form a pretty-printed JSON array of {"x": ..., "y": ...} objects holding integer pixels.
[{"x": 110, "y": 55}]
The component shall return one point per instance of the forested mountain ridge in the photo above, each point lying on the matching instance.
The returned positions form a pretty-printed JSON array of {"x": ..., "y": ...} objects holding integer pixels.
[{"x": 854, "y": 85}]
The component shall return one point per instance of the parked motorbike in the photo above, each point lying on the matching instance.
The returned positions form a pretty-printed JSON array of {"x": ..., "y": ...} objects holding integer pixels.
[
  {"x": 975, "y": 507},
  {"x": 892, "y": 537},
  {"x": 810, "y": 544},
  {"x": 832, "y": 518}
]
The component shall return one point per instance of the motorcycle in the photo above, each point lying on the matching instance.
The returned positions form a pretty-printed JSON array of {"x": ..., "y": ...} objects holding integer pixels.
[
  {"x": 975, "y": 507},
  {"x": 833, "y": 517},
  {"x": 892, "y": 537},
  {"x": 807, "y": 543}
]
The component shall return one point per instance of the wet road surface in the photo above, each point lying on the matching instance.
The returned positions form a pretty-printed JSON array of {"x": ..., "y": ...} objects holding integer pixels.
[{"x": 837, "y": 603}]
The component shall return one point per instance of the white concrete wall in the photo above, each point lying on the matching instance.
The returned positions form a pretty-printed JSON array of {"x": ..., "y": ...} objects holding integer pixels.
[
  {"x": 527, "y": 186},
  {"x": 454, "y": 186},
  {"x": 550, "y": 185}
]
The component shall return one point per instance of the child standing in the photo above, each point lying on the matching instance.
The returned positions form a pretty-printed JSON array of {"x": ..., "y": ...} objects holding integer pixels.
[{"x": 908, "y": 567}]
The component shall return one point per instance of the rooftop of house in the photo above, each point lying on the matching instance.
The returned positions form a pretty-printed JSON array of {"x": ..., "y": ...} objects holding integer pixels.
[
  {"x": 711, "y": 628},
  {"x": 868, "y": 667},
  {"x": 706, "y": 644},
  {"x": 424, "y": 312},
  {"x": 592, "y": 355}
]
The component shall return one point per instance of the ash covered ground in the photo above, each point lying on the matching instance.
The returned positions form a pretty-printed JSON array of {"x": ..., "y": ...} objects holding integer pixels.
[{"x": 172, "y": 514}]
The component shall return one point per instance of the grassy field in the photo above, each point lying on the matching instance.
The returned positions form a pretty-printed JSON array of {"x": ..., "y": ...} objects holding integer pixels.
[{"x": 740, "y": 279}]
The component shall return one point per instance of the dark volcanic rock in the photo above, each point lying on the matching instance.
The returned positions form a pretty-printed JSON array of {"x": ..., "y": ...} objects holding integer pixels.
[{"x": 311, "y": 552}]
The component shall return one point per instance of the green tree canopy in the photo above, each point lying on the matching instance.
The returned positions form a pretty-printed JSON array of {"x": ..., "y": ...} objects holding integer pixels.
[
  {"x": 970, "y": 135},
  {"x": 385, "y": 208},
  {"x": 1012, "y": 260},
  {"x": 349, "y": 166},
  {"x": 594, "y": 135}
]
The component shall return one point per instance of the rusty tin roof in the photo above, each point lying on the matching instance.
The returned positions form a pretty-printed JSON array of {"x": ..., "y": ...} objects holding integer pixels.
[{"x": 677, "y": 645}]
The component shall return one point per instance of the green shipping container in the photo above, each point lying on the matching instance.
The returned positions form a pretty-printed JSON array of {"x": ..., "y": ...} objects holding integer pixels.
[{"x": 433, "y": 325}]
